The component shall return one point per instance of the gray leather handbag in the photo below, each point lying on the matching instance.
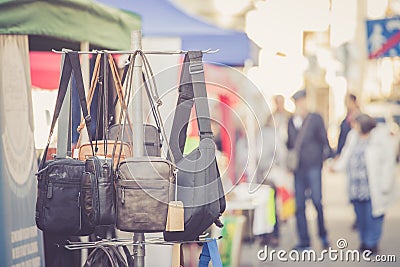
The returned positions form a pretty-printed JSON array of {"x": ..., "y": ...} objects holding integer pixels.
[
  {"x": 143, "y": 193},
  {"x": 143, "y": 184},
  {"x": 198, "y": 181}
]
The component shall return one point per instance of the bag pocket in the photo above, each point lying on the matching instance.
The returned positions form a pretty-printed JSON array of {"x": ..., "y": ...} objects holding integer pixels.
[
  {"x": 61, "y": 207},
  {"x": 107, "y": 203},
  {"x": 142, "y": 205},
  {"x": 88, "y": 203},
  {"x": 103, "y": 188}
]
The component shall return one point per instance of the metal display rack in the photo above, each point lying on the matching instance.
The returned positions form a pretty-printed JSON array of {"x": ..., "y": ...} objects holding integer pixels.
[{"x": 138, "y": 242}]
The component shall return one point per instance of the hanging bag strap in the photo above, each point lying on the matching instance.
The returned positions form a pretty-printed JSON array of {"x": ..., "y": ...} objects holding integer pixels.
[
  {"x": 192, "y": 89},
  {"x": 93, "y": 85},
  {"x": 118, "y": 86},
  {"x": 154, "y": 99},
  {"x": 100, "y": 85},
  {"x": 183, "y": 109},
  {"x": 155, "y": 102},
  {"x": 104, "y": 62},
  {"x": 71, "y": 64},
  {"x": 128, "y": 81},
  {"x": 105, "y": 102},
  {"x": 196, "y": 71},
  {"x": 124, "y": 75}
]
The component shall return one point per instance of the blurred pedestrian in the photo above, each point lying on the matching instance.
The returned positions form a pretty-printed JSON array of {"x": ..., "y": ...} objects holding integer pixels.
[
  {"x": 280, "y": 118},
  {"x": 273, "y": 137},
  {"x": 307, "y": 137},
  {"x": 353, "y": 109},
  {"x": 266, "y": 161},
  {"x": 369, "y": 158}
]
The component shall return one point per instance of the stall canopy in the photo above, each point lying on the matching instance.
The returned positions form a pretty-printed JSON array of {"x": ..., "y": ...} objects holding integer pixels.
[
  {"x": 57, "y": 24},
  {"x": 69, "y": 20},
  {"x": 162, "y": 19}
]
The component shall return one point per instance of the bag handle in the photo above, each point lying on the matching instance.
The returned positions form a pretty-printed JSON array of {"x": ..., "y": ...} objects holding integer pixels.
[
  {"x": 96, "y": 253},
  {"x": 100, "y": 81},
  {"x": 122, "y": 80},
  {"x": 155, "y": 102},
  {"x": 93, "y": 84},
  {"x": 152, "y": 93},
  {"x": 192, "y": 90},
  {"x": 118, "y": 86},
  {"x": 100, "y": 101},
  {"x": 105, "y": 102},
  {"x": 124, "y": 110},
  {"x": 71, "y": 64},
  {"x": 112, "y": 253}
]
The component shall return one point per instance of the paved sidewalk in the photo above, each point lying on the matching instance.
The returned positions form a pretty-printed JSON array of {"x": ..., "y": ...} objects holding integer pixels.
[{"x": 339, "y": 217}]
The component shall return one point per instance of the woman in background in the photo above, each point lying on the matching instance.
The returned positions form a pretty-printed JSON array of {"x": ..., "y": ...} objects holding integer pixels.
[{"x": 369, "y": 159}]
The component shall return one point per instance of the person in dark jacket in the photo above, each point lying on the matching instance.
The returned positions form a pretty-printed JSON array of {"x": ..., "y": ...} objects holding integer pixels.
[
  {"x": 312, "y": 151},
  {"x": 353, "y": 110}
]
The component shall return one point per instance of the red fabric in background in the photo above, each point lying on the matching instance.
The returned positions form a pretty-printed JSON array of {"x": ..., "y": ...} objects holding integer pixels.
[{"x": 45, "y": 69}]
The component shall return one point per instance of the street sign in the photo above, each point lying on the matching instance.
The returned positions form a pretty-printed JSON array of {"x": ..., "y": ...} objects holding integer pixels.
[{"x": 383, "y": 37}]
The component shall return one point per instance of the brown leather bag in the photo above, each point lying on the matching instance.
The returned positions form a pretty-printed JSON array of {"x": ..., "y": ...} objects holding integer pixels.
[{"x": 85, "y": 150}]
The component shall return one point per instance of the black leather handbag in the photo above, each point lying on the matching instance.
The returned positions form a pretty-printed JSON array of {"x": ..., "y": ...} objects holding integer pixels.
[
  {"x": 199, "y": 183},
  {"x": 99, "y": 172},
  {"x": 98, "y": 168},
  {"x": 60, "y": 206}
]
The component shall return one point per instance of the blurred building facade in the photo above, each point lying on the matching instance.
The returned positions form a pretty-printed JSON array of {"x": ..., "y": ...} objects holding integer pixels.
[{"x": 317, "y": 44}]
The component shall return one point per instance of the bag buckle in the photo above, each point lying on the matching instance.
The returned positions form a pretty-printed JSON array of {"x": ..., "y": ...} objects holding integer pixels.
[
  {"x": 206, "y": 134},
  {"x": 195, "y": 68},
  {"x": 185, "y": 95},
  {"x": 88, "y": 119}
]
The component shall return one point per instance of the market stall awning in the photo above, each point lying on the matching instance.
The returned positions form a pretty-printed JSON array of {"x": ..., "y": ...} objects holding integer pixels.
[
  {"x": 74, "y": 20},
  {"x": 160, "y": 18}
]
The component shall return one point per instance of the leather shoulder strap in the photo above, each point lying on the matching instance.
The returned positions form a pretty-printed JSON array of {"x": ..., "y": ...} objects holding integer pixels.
[
  {"x": 71, "y": 64},
  {"x": 192, "y": 89}
]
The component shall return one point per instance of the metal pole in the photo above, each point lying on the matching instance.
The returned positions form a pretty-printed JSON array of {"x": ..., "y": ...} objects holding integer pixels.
[{"x": 137, "y": 110}]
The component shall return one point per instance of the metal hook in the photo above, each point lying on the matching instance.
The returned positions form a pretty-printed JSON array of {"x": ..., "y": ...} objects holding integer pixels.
[{"x": 65, "y": 50}]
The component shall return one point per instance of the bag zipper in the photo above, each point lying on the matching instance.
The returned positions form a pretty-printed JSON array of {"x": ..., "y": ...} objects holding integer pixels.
[
  {"x": 50, "y": 186},
  {"x": 53, "y": 163},
  {"x": 142, "y": 187},
  {"x": 80, "y": 210},
  {"x": 65, "y": 182}
]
